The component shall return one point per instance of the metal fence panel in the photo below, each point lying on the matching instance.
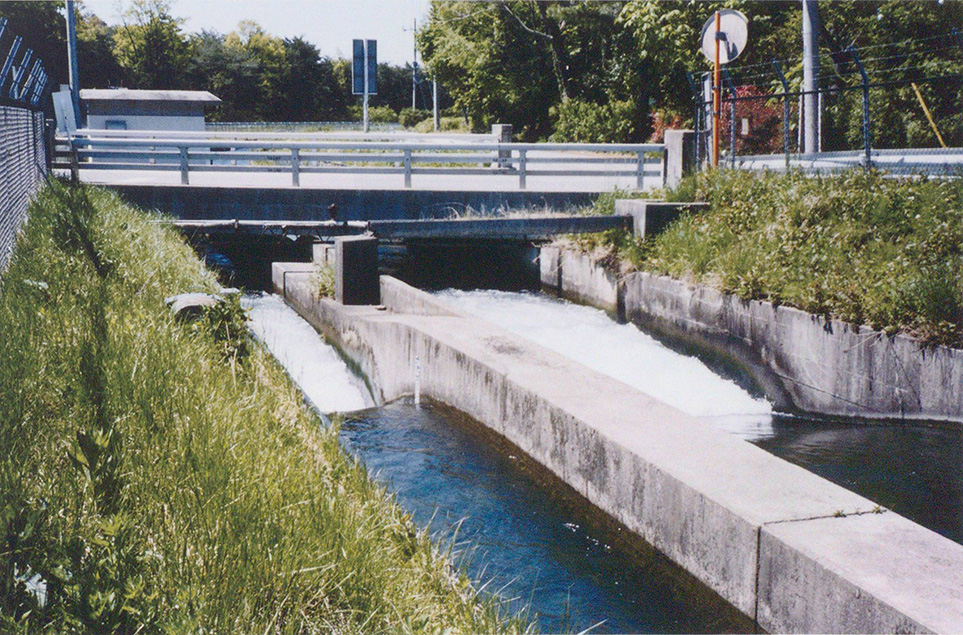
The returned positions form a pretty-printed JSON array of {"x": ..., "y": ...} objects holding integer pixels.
[{"x": 23, "y": 167}]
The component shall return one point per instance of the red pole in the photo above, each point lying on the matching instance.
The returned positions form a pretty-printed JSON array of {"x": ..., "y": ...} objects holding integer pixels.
[{"x": 716, "y": 97}]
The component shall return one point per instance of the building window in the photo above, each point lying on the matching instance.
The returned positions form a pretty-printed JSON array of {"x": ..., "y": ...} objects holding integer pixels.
[{"x": 115, "y": 124}]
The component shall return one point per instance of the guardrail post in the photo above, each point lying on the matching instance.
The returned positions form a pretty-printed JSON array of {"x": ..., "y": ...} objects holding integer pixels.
[
  {"x": 407, "y": 167},
  {"x": 640, "y": 170},
  {"x": 185, "y": 179},
  {"x": 522, "y": 168},
  {"x": 296, "y": 167}
]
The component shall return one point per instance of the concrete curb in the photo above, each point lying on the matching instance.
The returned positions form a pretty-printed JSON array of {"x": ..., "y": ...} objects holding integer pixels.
[{"x": 782, "y": 545}]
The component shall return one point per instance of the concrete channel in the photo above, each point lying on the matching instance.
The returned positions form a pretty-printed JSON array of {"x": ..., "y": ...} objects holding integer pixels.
[
  {"x": 802, "y": 361},
  {"x": 784, "y": 546}
]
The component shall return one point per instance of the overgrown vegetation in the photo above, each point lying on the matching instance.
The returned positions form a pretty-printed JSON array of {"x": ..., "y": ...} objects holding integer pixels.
[
  {"x": 860, "y": 247},
  {"x": 158, "y": 479}
]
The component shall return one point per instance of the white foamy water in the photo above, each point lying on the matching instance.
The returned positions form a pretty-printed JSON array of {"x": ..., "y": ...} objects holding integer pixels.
[
  {"x": 313, "y": 364},
  {"x": 621, "y": 351}
]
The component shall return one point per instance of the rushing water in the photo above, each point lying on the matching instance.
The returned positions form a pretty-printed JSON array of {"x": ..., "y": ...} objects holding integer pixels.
[
  {"x": 914, "y": 468},
  {"x": 311, "y": 362},
  {"x": 623, "y": 352}
]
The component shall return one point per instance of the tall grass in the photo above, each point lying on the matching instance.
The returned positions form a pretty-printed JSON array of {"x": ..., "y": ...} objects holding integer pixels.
[
  {"x": 860, "y": 247},
  {"x": 155, "y": 479}
]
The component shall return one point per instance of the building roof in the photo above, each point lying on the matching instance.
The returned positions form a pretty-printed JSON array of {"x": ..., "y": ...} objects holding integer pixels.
[{"x": 127, "y": 94}]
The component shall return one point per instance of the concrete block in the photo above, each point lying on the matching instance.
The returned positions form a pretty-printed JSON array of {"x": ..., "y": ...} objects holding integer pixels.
[
  {"x": 503, "y": 134},
  {"x": 281, "y": 270},
  {"x": 323, "y": 253},
  {"x": 872, "y": 573},
  {"x": 356, "y": 270},
  {"x": 680, "y": 156},
  {"x": 652, "y": 217}
]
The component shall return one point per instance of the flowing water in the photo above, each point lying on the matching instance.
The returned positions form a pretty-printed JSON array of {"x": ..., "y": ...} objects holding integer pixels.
[
  {"x": 519, "y": 531},
  {"x": 913, "y": 467},
  {"x": 537, "y": 544}
]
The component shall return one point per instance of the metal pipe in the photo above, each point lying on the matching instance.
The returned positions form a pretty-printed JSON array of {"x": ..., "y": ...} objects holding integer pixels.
[
  {"x": 716, "y": 96},
  {"x": 810, "y": 36}
]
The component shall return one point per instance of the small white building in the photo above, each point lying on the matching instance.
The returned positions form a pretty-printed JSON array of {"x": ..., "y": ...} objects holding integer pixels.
[{"x": 126, "y": 109}]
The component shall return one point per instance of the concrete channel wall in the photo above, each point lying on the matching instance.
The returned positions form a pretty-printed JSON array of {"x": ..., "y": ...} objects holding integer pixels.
[
  {"x": 785, "y": 547},
  {"x": 189, "y": 202},
  {"x": 800, "y": 359}
]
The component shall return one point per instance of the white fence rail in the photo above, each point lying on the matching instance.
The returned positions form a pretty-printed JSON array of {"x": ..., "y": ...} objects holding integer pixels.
[
  {"x": 311, "y": 153},
  {"x": 908, "y": 162}
]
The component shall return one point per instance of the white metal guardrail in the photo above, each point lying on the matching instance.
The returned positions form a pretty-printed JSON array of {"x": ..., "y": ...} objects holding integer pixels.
[
  {"x": 300, "y": 153},
  {"x": 906, "y": 162}
]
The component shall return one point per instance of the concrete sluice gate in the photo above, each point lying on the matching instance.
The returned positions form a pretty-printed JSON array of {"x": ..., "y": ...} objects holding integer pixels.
[{"x": 783, "y": 546}]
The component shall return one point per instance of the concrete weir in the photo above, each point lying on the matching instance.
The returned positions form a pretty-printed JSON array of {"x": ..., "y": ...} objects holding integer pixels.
[{"x": 784, "y": 546}]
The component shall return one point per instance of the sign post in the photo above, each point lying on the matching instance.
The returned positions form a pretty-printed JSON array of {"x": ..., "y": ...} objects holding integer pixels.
[
  {"x": 364, "y": 72},
  {"x": 724, "y": 37}
]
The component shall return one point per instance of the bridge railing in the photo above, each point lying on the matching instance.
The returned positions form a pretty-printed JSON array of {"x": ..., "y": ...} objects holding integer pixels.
[{"x": 294, "y": 154}]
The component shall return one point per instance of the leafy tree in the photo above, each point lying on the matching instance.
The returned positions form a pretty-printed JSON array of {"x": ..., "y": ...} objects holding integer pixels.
[
  {"x": 97, "y": 66},
  {"x": 150, "y": 46},
  {"x": 231, "y": 73}
]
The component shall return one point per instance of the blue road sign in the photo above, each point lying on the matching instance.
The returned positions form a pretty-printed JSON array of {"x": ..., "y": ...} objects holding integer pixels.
[{"x": 365, "y": 52}]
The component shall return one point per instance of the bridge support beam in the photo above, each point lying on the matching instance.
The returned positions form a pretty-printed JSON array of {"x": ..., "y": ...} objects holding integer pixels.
[
  {"x": 680, "y": 155},
  {"x": 356, "y": 270}
]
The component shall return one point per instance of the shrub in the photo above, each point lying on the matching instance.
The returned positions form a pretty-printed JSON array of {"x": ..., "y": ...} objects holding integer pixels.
[
  {"x": 585, "y": 122},
  {"x": 376, "y": 114},
  {"x": 409, "y": 117}
]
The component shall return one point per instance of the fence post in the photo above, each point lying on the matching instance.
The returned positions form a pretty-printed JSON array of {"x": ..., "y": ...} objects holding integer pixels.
[
  {"x": 732, "y": 118},
  {"x": 522, "y": 168},
  {"x": 185, "y": 180},
  {"x": 785, "y": 109},
  {"x": 407, "y": 167},
  {"x": 697, "y": 119},
  {"x": 74, "y": 163},
  {"x": 867, "y": 138},
  {"x": 296, "y": 167}
]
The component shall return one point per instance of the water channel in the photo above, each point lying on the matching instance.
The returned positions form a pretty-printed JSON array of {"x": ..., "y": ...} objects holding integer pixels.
[{"x": 537, "y": 544}]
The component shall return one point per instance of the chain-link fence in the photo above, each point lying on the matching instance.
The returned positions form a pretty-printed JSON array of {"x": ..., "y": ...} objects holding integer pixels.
[
  {"x": 896, "y": 106},
  {"x": 23, "y": 167}
]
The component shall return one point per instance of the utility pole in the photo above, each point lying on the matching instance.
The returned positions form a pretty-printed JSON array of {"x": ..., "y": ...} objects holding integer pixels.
[
  {"x": 810, "y": 110},
  {"x": 414, "y": 62},
  {"x": 72, "y": 60}
]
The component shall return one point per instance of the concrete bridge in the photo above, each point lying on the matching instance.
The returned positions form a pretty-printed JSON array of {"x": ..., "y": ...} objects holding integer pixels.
[{"x": 296, "y": 177}]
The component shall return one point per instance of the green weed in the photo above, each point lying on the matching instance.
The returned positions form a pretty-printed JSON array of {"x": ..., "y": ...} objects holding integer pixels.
[
  {"x": 860, "y": 246},
  {"x": 159, "y": 477}
]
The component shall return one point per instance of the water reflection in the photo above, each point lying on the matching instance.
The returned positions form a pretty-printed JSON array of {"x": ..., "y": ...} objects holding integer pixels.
[{"x": 531, "y": 537}]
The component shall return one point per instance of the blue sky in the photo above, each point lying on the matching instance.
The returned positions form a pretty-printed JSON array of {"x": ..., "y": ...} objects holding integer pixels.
[{"x": 329, "y": 24}]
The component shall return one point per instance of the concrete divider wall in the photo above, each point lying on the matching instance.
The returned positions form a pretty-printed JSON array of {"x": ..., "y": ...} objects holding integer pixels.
[
  {"x": 800, "y": 359},
  {"x": 781, "y": 544}
]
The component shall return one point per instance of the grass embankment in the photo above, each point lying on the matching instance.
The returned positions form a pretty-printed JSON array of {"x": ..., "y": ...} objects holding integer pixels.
[
  {"x": 859, "y": 247},
  {"x": 158, "y": 477}
]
